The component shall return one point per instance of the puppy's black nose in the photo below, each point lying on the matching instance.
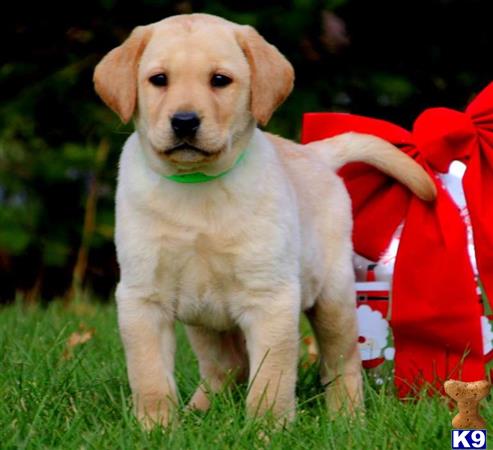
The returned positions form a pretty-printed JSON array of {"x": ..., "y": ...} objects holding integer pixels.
[{"x": 185, "y": 124}]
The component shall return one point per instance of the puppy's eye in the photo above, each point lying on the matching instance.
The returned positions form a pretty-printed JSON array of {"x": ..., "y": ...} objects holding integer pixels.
[
  {"x": 219, "y": 80},
  {"x": 159, "y": 80}
]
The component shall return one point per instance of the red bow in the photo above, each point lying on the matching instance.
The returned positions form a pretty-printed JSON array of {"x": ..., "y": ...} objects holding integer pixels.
[
  {"x": 445, "y": 135},
  {"x": 435, "y": 309}
]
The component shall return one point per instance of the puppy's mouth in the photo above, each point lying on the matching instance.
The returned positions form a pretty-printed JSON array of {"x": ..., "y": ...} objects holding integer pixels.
[
  {"x": 185, "y": 152},
  {"x": 187, "y": 147}
]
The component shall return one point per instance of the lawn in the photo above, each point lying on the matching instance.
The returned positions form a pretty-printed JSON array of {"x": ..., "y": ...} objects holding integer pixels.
[{"x": 56, "y": 396}]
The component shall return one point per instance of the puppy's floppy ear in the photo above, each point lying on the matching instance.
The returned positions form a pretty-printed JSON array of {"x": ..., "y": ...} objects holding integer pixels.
[
  {"x": 272, "y": 75},
  {"x": 115, "y": 77}
]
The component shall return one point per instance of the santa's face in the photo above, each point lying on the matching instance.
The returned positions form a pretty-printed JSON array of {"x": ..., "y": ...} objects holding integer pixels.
[{"x": 373, "y": 333}]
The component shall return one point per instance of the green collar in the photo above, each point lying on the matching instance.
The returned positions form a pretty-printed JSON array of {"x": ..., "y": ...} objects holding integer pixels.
[{"x": 199, "y": 177}]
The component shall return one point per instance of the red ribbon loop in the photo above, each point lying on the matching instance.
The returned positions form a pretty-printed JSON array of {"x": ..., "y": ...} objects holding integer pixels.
[
  {"x": 478, "y": 185},
  {"x": 443, "y": 135}
]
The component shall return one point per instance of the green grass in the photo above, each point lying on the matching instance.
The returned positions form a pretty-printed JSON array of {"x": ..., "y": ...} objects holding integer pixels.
[{"x": 50, "y": 402}]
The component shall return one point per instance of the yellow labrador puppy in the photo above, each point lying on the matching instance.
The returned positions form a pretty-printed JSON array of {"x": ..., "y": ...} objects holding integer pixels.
[{"x": 231, "y": 230}]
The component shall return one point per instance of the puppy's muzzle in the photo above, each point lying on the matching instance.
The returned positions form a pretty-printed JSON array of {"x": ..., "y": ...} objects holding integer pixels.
[{"x": 185, "y": 124}]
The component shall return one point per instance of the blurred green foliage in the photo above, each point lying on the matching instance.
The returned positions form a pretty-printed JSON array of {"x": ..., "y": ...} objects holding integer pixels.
[{"x": 387, "y": 59}]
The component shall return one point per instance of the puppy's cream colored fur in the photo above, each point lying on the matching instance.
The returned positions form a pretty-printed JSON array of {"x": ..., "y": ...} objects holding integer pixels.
[{"x": 237, "y": 259}]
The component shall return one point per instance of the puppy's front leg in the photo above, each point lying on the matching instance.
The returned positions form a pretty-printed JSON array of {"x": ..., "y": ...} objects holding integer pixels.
[
  {"x": 148, "y": 338},
  {"x": 271, "y": 332}
]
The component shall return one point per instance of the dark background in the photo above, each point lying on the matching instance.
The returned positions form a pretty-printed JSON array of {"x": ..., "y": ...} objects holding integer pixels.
[{"x": 59, "y": 144}]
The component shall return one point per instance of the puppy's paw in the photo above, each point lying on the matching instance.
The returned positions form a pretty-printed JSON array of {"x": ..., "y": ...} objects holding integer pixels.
[
  {"x": 199, "y": 401},
  {"x": 154, "y": 410}
]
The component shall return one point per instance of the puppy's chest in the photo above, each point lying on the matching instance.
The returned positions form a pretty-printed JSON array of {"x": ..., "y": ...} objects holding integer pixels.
[{"x": 199, "y": 274}]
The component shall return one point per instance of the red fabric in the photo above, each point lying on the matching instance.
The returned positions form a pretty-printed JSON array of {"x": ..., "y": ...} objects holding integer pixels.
[
  {"x": 435, "y": 313},
  {"x": 446, "y": 135}
]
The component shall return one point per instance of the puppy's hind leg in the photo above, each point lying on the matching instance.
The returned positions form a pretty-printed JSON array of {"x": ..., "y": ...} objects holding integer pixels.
[
  {"x": 222, "y": 358},
  {"x": 333, "y": 318}
]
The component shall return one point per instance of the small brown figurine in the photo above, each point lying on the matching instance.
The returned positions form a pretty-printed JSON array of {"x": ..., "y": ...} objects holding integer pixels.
[{"x": 467, "y": 396}]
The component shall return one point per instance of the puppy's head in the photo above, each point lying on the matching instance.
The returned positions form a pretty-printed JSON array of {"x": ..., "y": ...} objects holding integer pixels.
[{"x": 196, "y": 85}]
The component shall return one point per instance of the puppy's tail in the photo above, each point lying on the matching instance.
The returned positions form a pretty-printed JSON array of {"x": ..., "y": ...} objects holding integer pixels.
[{"x": 356, "y": 147}]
